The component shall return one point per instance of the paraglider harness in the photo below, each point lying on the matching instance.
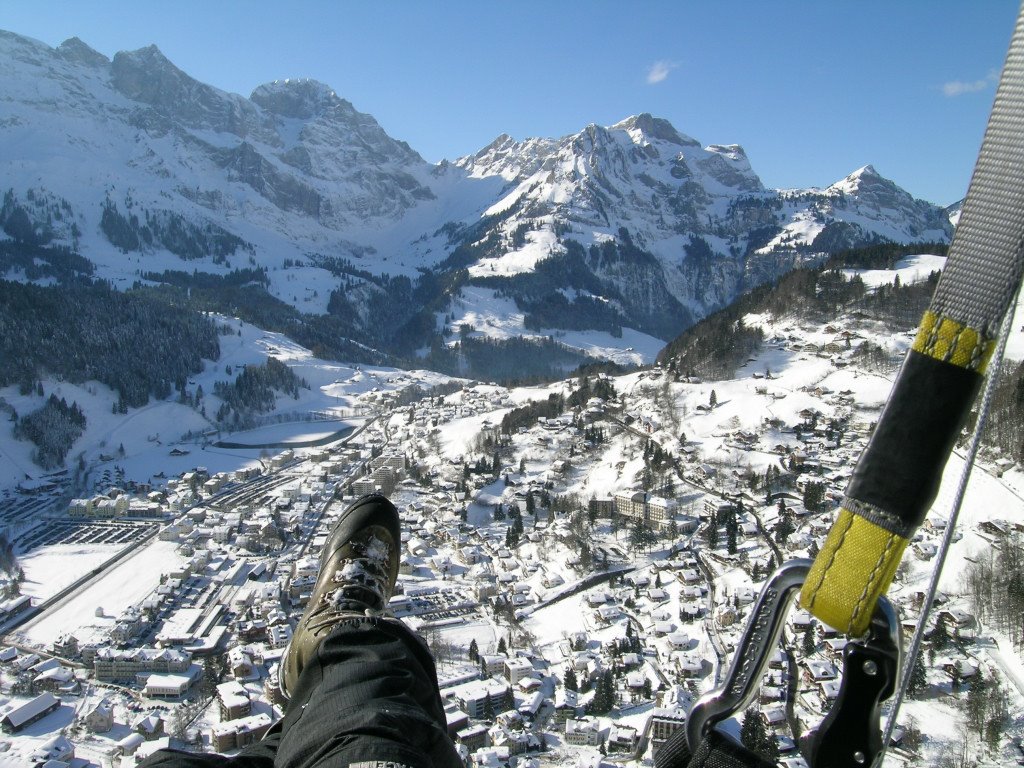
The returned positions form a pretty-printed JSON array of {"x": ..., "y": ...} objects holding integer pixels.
[{"x": 961, "y": 336}]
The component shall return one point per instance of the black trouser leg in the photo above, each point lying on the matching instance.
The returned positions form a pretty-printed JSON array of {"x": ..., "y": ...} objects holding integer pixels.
[{"x": 368, "y": 696}]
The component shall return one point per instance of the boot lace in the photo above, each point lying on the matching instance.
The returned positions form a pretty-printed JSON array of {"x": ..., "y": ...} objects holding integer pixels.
[{"x": 363, "y": 583}]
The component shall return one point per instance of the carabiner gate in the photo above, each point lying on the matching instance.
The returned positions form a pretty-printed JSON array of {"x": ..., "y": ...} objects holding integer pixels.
[
  {"x": 752, "y": 653},
  {"x": 850, "y": 735}
]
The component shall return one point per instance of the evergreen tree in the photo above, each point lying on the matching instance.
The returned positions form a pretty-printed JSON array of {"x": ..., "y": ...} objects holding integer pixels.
[
  {"x": 808, "y": 644},
  {"x": 711, "y": 534},
  {"x": 752, "y": 731},
  {"x": 784, "y": 527},
  {"x": 939, "y": 636},
  {"x": 502, "y": 646},
  {"x": 474, "y": 650},
  {"x": 814, "y": 496},
  {"x": 713, "y": 400},
  {"x": 918, "y": 677},
  {"x": 571, "y": 683}
]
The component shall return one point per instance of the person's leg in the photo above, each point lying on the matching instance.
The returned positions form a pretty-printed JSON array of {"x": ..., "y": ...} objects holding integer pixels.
[
  {"x": 369, "y": 695},
  {"x": 362, "y": 688}
]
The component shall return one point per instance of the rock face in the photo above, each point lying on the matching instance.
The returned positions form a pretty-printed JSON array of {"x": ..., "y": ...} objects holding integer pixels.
[{"x": 138, "y": 166}]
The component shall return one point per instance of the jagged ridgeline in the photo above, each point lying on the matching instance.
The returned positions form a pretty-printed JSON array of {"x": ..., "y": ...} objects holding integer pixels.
[
  {"x": 323, "y": 227},
  {"x": 716, "y": 346}
]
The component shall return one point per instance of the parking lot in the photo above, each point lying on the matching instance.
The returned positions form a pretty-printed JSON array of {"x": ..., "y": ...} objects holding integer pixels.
[
  {"x": 82, "y": 532},
  {"x": 441, "y": 605},
  {"x": 24, "y": 510}
]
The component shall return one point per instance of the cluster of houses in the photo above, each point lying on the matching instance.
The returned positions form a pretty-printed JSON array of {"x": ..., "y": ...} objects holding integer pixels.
[{"x": 250, "y": 542}]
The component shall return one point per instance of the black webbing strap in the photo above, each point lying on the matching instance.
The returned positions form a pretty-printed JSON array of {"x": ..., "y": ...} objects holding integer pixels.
[
  {"x": 897, "y": 476},
  {"x": 716, "y": 751}
]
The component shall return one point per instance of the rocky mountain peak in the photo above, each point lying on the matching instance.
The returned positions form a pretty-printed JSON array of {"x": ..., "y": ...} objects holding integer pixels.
[
  {"x": 862, "y": 179},
  {"x": 73, "y": 49},
  {"x": 302, "y": 98},
  {"x": 651, "y": 127},
  {"x": 147, "y": 75}
]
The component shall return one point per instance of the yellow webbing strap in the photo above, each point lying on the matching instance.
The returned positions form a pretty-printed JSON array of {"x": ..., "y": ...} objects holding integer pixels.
[
  {"x": 897, "y": 477},
  {"x": 853, "y": 570},
  {"x": 947, "y": 340},
  {"x": 860, "y": 556}
]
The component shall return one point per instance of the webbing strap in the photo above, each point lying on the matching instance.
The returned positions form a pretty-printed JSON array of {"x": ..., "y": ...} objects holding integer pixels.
[{"x": 897, "y": 477}]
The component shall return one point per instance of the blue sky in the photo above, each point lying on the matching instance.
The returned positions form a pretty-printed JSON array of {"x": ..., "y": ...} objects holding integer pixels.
[{"x": 812, "y": 90}]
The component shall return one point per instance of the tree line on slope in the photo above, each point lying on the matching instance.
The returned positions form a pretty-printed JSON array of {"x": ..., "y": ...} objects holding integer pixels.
[
  {"x": 716, "y": 346},
  {"x": 255, "y": 390},
  {"x": 53, "y": 428},
  {"x": 138, "y": 346}
]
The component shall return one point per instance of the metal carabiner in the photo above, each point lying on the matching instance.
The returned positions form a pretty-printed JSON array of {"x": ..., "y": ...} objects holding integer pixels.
[
  {"x": 850, "y": 735},
  {"x": 752, "y": 653}
]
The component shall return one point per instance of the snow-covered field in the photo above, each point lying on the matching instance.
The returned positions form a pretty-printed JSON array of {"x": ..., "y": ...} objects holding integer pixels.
[
  {"x": 149, "y": 434},
  {"x": 127, "y": 583},
  {"x": 49, "y": 569}
]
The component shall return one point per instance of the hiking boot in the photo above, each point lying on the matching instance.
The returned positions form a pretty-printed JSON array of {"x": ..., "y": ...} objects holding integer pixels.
[{"x": 358, "y": 569}]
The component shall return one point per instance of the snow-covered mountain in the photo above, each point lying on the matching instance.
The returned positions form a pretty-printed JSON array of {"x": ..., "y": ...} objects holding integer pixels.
[{"x": 627, "y": 233}]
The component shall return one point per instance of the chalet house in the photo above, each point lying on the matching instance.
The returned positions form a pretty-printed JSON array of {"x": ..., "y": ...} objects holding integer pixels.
[
  {"x": 150, "y": 726},
  {"x": 57, "y": 750},
  {"x": 30, "y": 712},
  {"x": 774, "y": 717},
  {"x": 100, "y": 719},
  {"x": 689, "y": 665},
  {"x": 566, "y": 705},
  {"x": 815, "y": 671},
  {"x": 58, "y": 679},
  {"x": 622, "y": 738},
  {"x": 961, "y": 669},
  {"x": 678, "y": 641},
  {"x": 999, "y": 528},
  {"x": 66, "y": 646},
  {"x": 583, "y": 733},
  {"x": 240, "y": 663},
  {"x": 14, "y": 606}
]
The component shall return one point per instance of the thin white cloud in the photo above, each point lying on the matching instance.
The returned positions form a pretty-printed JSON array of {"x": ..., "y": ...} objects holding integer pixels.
[
  {"x": 959, "y": 87},
  {"x": 659, "y": 71}
]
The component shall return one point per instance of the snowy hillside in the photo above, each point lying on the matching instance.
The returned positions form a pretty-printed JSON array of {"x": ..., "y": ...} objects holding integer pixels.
[
  {"x": 167, "y": 435},
  {"x": 642, "y": 229}
]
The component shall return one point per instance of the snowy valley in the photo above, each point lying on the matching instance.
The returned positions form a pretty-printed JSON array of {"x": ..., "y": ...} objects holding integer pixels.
[
  {"x": 610, "y": 380},
  {"x": 581, "y": 556}
]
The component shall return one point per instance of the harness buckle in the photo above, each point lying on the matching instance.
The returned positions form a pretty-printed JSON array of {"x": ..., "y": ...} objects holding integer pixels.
[{"x": 850, "y": 735}]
